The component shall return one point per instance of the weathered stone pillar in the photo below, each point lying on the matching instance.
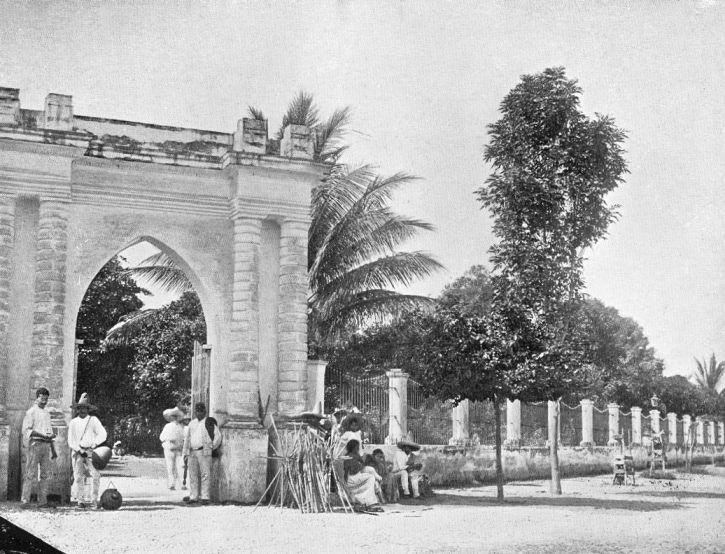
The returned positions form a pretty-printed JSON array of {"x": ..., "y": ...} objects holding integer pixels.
[
  {"x": 613, "y": 423},
  {"x": 636, "y": 425},
  {"x": 46, "y": 353},
  {"x": 700, "y": 432},
  {"x": 721, "y": 432},
  {"x": 293, "y": 317},
  {"x": 654, "y": 416},
  {"x": 316, "y": 384},
  {"x": 686, "y": 428},
  {"x": 672, "y": 427},
  {"x": 513, "y": 423},
  {"x": 397, "y": 405},
  {"x": 711, "y": 433},
  {"x": 242, "y": 466},
  {"x": 460, "y": 423},
  {"x": 587, "y": 423},
  {"x": 7, "y": 239}
]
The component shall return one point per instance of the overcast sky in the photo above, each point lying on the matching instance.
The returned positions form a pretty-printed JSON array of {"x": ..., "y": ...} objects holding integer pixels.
[{"x": 424, "y": 80}]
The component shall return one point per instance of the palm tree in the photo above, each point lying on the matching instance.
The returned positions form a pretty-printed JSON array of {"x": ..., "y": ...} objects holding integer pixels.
[
  {"x": 353, "y": 261},
  {"x": 709, "y": 376}
]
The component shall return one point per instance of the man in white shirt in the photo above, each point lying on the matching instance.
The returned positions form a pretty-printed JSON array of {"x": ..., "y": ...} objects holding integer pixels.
[
  {"x": 172, "y": 439},
  {"x": 85, "y": 433},
  {"x": 202, "y": 439},
  {"x": 404, "y": 470},
  {"x": 38, "y": 432}
]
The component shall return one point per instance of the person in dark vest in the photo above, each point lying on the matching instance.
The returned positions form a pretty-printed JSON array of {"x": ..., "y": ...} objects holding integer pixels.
[{"x": 201, "y": 442}]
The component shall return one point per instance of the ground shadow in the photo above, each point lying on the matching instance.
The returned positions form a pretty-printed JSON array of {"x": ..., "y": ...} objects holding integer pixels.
[
  {"x": 562, "y": 501},
  {"x": 676, "y": 493}
]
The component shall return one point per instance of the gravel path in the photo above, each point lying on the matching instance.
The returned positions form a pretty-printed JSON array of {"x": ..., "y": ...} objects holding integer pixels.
[{"x": 686, "y": 514}]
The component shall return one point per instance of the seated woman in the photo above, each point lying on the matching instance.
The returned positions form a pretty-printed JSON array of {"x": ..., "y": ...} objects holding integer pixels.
[
  {"x": 387, "y": 486},
  {"x": 359, "y": 478}
]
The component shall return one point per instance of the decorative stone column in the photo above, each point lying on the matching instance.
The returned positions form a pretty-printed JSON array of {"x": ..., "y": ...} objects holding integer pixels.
[
  {"x": 513, "y": 423},
  {"x": 613, "y": 423},
  {"x": 316, "y": 384},
  {"x": 636, "y": 425},
  {"x": 711, "y": 433},
  {"x": 587, "y": 407},
  {"x": 243, "y": 465},
  {"x": 686, "y": 428},
  {"x": 46, "y": 352},
  {"x": 654, "y": 416},
  {"x": 7, "y": 238},
  {"x": 460, "y": 424},
  {"x": 293, "y": 317},
  {"x": 397, "y": 405},
  {"x": 672, "y": 427},
  {"x": 700, "y": 433}
]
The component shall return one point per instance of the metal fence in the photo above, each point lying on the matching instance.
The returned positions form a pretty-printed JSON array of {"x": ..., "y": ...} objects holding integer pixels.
[
  {"x": 482, "y": 422},
  {"x": 429, "y": 420},
  {"x": 368, "y": 395},
  {"x": 600, "y": 433},
  {"x": 534, "y": 423},
  {"x": 570, "y": 424}
]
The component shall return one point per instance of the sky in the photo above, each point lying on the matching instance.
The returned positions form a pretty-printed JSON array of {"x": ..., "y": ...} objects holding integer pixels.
[{"x": 424, "y": 79}]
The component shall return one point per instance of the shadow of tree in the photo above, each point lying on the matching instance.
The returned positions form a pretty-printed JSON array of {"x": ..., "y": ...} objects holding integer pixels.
[
  {"x": 677, "y": 493},
  {"x": 561, "y": 501}
]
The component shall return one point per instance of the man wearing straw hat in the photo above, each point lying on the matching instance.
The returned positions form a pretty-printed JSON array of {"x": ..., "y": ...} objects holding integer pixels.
[
  {"x": 85, "y": 433},
  {"x": 202, "y": 438},
  {"x": 172, "y": 439}
]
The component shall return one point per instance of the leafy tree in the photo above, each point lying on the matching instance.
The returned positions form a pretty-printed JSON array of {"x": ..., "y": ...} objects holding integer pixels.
[
  {"x": 709, "y": 376},
  {"x": 552, "y": 168},
  {"x": 471, "y": 293},
  {"x": 621, "y": 365},
  {"x": 104, "y": 373}
]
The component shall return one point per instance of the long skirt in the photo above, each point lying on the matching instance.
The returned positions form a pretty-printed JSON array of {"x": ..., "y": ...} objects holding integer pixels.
[{"x": 362, "y": 488}]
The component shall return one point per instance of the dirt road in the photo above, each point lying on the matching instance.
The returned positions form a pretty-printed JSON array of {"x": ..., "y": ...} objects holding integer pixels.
[{"x": 686, "y": 514}]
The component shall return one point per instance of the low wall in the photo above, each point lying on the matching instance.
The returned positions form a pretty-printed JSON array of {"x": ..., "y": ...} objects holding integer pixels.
[{"x": 452, "y": 465}]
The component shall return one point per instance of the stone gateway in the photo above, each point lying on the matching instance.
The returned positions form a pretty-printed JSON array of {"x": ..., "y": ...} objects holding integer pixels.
[{"x": 231, "y": 209}]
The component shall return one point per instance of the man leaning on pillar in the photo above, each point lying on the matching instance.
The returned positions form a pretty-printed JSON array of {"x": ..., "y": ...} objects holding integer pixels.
[{"x": 39, "y": 433}]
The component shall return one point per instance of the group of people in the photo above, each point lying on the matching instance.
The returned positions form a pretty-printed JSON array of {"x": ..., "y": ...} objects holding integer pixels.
[
  {"x": 85, "y": 434},
  {"x": 371, "y": 480},
  {"x": 195, "y": 445}
]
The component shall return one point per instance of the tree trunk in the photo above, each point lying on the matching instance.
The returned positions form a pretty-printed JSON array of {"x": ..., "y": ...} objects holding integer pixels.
[
  {"x": 554, "y": 448},
  {"x": 499, "y": 464}
]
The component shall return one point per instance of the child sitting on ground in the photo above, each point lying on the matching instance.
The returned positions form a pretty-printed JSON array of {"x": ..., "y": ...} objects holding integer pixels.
[{"x": 387, "y": 489}]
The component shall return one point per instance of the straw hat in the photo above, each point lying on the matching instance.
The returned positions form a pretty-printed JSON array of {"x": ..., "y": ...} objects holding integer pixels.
[
  {"x": 410, "y": 444},
  {"x": 84, "y": 401},
  {"x": 173, "y": 413}
]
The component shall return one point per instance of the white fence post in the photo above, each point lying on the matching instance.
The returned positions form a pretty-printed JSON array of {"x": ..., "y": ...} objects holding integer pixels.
[
  {"x": 636, "y": 425},
  {"x": 672, "y": 427},
  {"x": 654, "y": 416},
  {"x": 700, "y": 430},
  {"x": 513, "y": 423},
  {"x": 613, "y": 423},
  {"x": 397, "y": 405},
  {"x": 587, "y": 423},
  {"x": 460, "y": 420},
  {"x": 316, "y": 384}
]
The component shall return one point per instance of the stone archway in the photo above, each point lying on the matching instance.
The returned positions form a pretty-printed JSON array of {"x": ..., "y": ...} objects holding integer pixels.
[{"x": 231, "y": 208}]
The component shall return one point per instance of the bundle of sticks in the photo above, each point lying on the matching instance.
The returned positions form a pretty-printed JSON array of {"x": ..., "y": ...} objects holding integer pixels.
[{"x": 305, "y": 472}]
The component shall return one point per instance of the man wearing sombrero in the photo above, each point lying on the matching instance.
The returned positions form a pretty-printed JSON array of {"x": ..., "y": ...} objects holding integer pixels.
[
  {"x": 85, "y": 433},
  {"x": 172, "y": 439},
  {"x": 404, "y": 469}
]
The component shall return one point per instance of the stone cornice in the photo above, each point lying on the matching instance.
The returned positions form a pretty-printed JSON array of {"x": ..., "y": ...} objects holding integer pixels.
[
  {"x": 261, "y": 208},
  {"x": 15, "y": 183}
]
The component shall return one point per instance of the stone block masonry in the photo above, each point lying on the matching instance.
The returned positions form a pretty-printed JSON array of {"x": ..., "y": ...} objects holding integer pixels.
[{"x": 233, "y": 213}]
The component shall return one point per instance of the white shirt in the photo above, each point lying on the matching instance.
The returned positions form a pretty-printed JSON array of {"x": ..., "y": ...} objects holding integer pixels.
[
  {"x": 36, "y": 419},
  {"x": 400, "y": 460},
  {"x": 86, "y": 433},
  {"x": 197, "y": 437},
  {"x": 172, "y": 436}
]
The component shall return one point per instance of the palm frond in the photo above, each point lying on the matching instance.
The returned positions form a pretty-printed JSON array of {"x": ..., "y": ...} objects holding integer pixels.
[
  {"x": 160, "y": 270},
  {"x": 256, "y": 113},
  {"x": 328, "y": 133},
  {"x": 301, "y": 111},
  {"x": 127, "y": 327},
  {"x": 709, "y": 376}
]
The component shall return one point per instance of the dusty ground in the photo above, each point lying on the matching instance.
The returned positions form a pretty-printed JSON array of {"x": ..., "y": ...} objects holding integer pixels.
[{"x": 683, "y": 515}]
